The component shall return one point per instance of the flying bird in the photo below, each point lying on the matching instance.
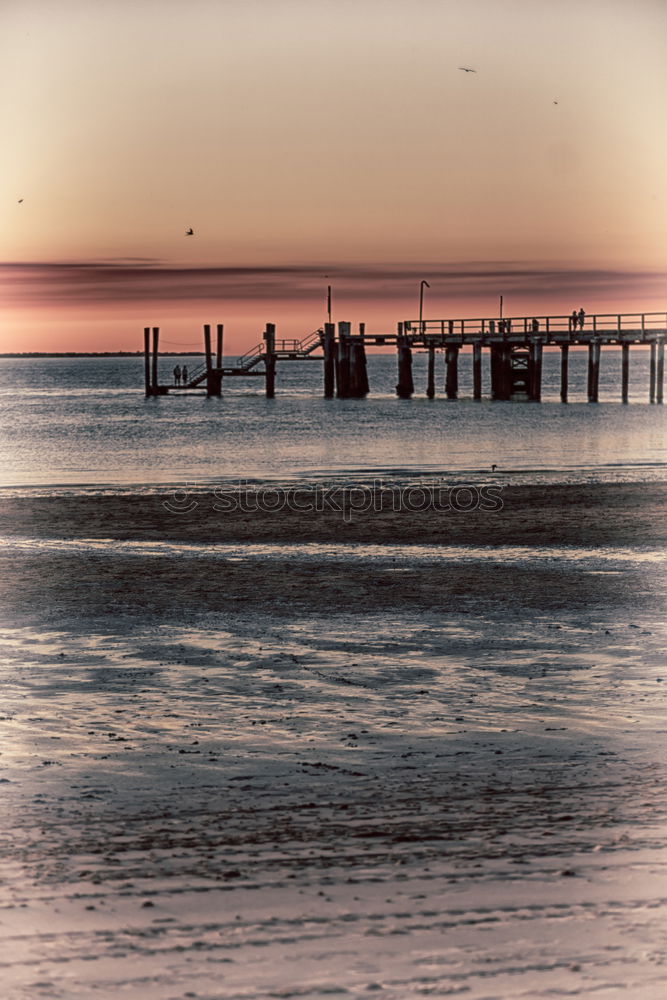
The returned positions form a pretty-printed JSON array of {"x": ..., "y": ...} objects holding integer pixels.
[
  {"x": 189, "y": 232},
  {"x": 20, "y": 200},
  {"x": 467, "y": 69}
]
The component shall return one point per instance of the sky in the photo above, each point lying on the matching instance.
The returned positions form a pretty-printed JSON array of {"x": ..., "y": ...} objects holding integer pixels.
[{"x": 316, "y": 142}]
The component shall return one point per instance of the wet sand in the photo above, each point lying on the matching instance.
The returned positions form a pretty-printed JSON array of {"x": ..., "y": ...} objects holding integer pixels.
[
  {"x": 600, "y": 514},
  {"x": 228, "y": 777}
]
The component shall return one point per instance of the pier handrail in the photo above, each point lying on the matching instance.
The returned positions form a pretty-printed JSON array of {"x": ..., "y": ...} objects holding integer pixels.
[
  {"x": 288, "y": 345},
  {"x": 291, "y": 345},
  {"x": 250, "y": 358},
  {"x": 311, "y": 342},
  {"x": 606, "y": 323},
  {"x": 196, "y": 376},
  {"x": 304, "y": 346}
]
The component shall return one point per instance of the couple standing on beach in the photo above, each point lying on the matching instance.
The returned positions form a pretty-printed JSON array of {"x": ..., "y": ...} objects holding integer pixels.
[
  {"x": 577, "y": 319},
  {"x": 180, "y": 375}
]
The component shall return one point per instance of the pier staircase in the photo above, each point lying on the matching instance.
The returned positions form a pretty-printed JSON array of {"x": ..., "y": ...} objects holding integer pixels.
[{"x": 246, "y": 364}]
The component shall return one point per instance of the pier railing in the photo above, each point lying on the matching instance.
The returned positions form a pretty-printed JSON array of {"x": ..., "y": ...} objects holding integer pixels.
[
  {"x": 560, "y": 328},
  {"x": 250, "y": 358}
]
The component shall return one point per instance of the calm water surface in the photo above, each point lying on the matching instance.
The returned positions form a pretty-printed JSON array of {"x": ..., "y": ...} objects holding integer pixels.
[{"x": 84, "y": 422}]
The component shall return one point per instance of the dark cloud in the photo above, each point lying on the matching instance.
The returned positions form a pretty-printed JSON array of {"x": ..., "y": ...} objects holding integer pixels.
[{"x": 145, "y": 279}]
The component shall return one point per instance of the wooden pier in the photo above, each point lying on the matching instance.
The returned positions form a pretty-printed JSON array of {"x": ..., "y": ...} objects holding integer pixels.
[{"x": 515, "y": 346}]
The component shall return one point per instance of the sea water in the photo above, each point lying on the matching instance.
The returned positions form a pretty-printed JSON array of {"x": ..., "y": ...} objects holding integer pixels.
[{"x": 84, "y": 423}]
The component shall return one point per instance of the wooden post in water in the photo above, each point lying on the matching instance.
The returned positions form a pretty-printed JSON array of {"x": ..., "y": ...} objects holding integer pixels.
[
  {"x": 494, "y": 358},
  {"x": 660, "y": 379},
  {"x": 218, "y": 347},
  {"x": 358, "y": 387},
  {"x": 452, "y": 363},
  {"x": 652, "y": 373},
  {"x": 507, "y": 365},
  {"x": 156, "y": 341},
  {"x": 535, "y": 371},
  {"x": 207, "y": 349},
  {"x": 210, "y": 380},
  {"x": 343, "y": 365},
  {"x": 405, "y": 385},
  {"x": 501, "y": 371},
  {"x": 215, "y": 378},
  {"x": 270, "y": 359},
  {"x": 353, "y": 389},
  {"x": 430, "y": 374},
  {"x": 477, "y": 370},
  {"x": 330, "y": 354},
  {"x": 364, "y": 385},
  {"x": 593, "y": 370},
  {"x": 564, "y": 358},
  {"x": 625, "y": 371},
  {"x": 147, "y": 360}
]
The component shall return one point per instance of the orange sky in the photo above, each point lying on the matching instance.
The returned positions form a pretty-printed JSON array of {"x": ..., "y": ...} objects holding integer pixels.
[{"x": 310, "y": 142}]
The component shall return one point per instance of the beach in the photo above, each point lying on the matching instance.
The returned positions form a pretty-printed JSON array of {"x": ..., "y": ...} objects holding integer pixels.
[
  {"x": 334, "y": 753},
  {"x": 333, "y": 479},
  {"x": 490, "y": 513}
]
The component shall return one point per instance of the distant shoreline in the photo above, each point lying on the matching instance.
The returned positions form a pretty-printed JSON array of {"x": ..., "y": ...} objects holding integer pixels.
[{"x": 200, "y": 354}]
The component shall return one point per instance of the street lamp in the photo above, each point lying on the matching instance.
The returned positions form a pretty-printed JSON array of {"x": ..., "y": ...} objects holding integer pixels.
[{"x": 423, "y": 284}]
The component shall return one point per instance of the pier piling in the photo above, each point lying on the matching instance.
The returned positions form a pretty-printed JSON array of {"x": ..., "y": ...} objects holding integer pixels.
[
  {"x": 147, "y": 360},
  {"x": 430, "y": 375},
  {"x": 213, "y": 375},
  {"x": 535, "y": 371},
  {"x": 593, "y": 371},
  {"x": 270, "y": 359},
  {"x": 330, "y": 348},
  {"x": 452, "y": 366},
  {"x": 154, "y": 372},
  {"x": 564, "y": 371},
  {"x": 209, "y": 360},
  {"x": 218, "y": 351},
  {"x": 343, "y": 364},
  {"x": 652, "y": 372},
  {"x": 405, "y": 386},
  {"x": 501, "y": 372},
  {"x": 477, "y": 370},
  {"x": 358, "y": 386},
  {"x": 625, "y": 371},
  {"x": 660, "y": 372}
]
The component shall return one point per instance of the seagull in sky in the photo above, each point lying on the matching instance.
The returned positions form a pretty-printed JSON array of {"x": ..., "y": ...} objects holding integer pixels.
[
  {"x": 190, "y": 231},
  {"x": 467, "y": 69},
  {"x": 20, "y": 200}
]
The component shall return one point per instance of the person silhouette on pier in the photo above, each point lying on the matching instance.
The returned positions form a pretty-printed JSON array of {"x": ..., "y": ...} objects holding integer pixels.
[
  {"x": 184, "y": 375},
  {"x": 177, "y": 375},
  {"x": 574, "y": 320},
  {"x": 581, "y": 315}
]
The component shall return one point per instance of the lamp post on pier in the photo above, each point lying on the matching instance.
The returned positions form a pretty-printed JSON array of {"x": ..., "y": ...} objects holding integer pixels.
[{"x": 423, "y": 284}]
